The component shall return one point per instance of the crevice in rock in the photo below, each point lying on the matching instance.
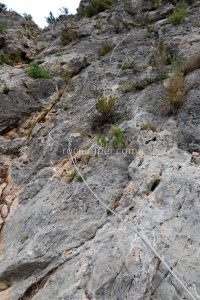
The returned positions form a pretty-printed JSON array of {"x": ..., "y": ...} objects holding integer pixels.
[
  {"x": 155, "y": 184},
  {"x": 36, "y": 286},
  {"x": 151, "y": 140}
]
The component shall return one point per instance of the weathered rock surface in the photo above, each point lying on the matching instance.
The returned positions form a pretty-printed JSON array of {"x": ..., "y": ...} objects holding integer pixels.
[
  {"x": 57, "y": 241},
  {"x": 19, "y": 37}
]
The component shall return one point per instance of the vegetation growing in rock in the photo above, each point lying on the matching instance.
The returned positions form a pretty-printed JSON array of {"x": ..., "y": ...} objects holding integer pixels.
[
  {"x": 79, "y": 178},
  {"x": 106, "y": 112},
  {"x": 3, "y": 7},
  {"x": 149, "y": 126},
  {"x": 103, "y": 141},
  {"x": 66, "y": 107},
  {"x": 2, "y": 28},
  {"x": 104, "y": 49},
  {"x": 64, "y": 11},
  {"x": 68, "y": 35},
  {"x": 128, "y": 65},
  {"x": 105, "y": 106},
  {"x": 24, "y": 238},
  {"x": 121, "y": 26},
  {"x": 6, "y": 90},
  {"x": 35, "y": 72},
  {"x": 96, "y": 6},
  {"x": 175, "y": 93},
  {"x": 71, "y": 176},
  {"x": 50, "y": 19},
  {"x": 162, "y": 56},
  {"x": 176, "y": 62},
  {"x": 28, "y": 17},
  {"x": 118, "y": 137},
  {"x": 179, "y": 14},
  {"x": 155, "y": 3},
  {"x": 4, "y": 59}
]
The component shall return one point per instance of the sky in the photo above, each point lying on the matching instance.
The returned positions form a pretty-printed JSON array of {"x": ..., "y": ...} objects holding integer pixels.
[{"x": 39, "y": 9}]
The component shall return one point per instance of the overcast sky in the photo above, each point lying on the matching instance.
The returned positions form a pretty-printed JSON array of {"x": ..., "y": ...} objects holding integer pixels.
[{"x": 40, "y": 9}]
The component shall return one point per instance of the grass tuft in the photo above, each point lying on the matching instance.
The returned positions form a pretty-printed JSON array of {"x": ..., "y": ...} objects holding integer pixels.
[
  {"x": 104, "y": 49},
  {"x": 118, "y": 137},
  {"x": 179, "y": 13},
  {"x": 68, "y": 35},
  {"x": 96, "y": 6},
  {"x": 128, "y": 65},
  {"x": 71, "y": 176},
  {"x": 35, "y": 72},
  {"x": 6, "y": 90},
  {"x": 175, "y": 93}
]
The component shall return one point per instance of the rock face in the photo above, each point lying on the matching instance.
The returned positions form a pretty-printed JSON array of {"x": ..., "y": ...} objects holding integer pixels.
[
  {"x": 18, "y": 36},
  {"x": 57, "y": 240}
]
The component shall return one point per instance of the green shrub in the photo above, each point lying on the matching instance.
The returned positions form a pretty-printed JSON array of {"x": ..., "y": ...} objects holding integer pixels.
[
  {"x": 162, "y": 56},
  {"x": 118, "y": 137},
  {"x": 104, "y": 49},
  {"x": 105, "y": 106},
  {"x": 96, "y": 6},
  {"x": 175, "y": 93},
  {"x": 66, "y": 107},
  {"x": 3, "y": 7},
  {"x": 2, "y": 28},
  {"x": 176, "y": 62},
  {"x": 4, "y": 59},
  {"x": 64, "y": 11},
  {"x": 35, "y": 72},
  {"x": 50, "y": 19},
  {"x": 6, "y": 90},
  {"x": 155, "y": 3},
  {"x": 24, "y": 238},
  {"x": 68, "y": 35},
  {"x": 103, "y": 141},
  {"x": 71, "y": 176},
  {"x": 79, "y": 178},
  {"x": 178, "y": 15},
  {"x": 106, "y": 112},
  {"x": 121, "y": 26},
  {"x": 28, "y": 17},
  {"x": 128, "y": 65}
]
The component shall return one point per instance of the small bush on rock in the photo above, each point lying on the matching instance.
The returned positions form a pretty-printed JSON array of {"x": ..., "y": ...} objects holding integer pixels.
[
  {"x": 68, "y": 35},
  {"x": 179, "y": 14},
  {"x": 96, "y": 6},
  {"x": 50, "y": 19},
  {"x": 2, "y": 28},
  {"x": 175, "y": 93},
  {"x": 28, "y": 17},
  {"x": 35, "y": 72},
  {"x": 106, "y": 112},
  {"x": 4, "y": 59},
  {"x": 104, "y": 49},
  {"x": 71, "y": 176},
  {"x": 6, "y": 90},
  {"x": 103, "y": 141},
  {"x": 128, "y": 65},
  {"x": 64, "y": 11},
  {"x": 79, "y": 178},
  {"x": 3, "y": 7},
  {"x": 118, "y": 137},
  {"x": 66, "y": 107},
  {"x": 155, "y": 3}
]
